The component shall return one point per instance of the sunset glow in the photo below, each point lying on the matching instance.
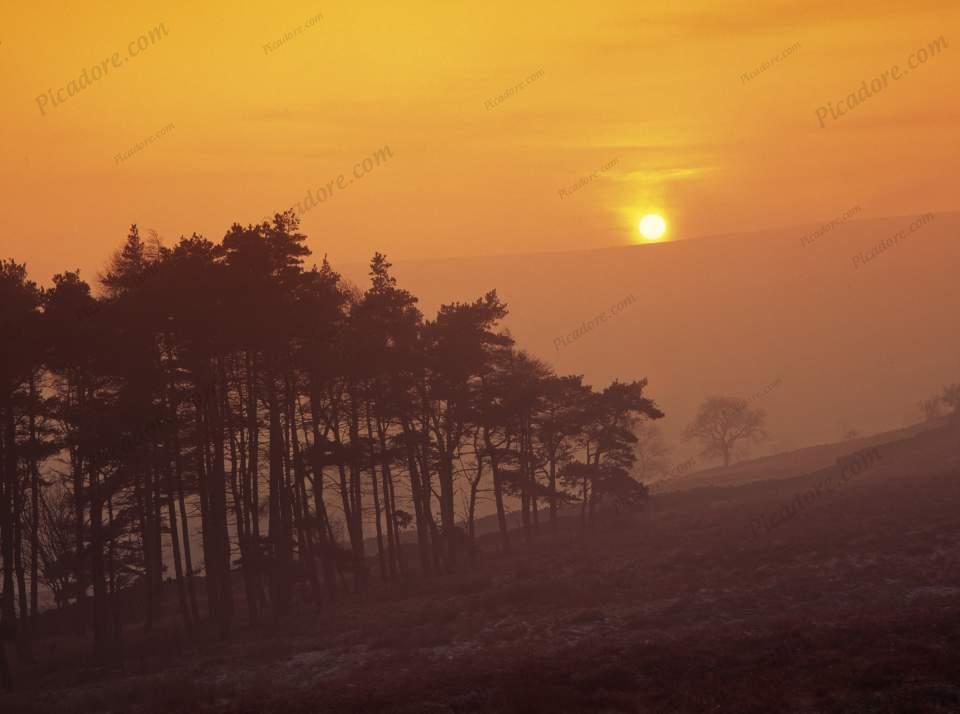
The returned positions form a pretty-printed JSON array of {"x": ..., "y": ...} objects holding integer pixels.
[
  {"x": 652, "y": 226},
  {"x": 270, "y": 103}
]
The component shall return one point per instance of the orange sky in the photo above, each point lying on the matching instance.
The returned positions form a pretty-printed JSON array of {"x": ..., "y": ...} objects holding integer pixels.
[{"x": 655, "y": 88}]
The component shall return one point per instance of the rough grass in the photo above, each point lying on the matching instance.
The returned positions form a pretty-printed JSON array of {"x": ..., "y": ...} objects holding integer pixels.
[{"x": 851, "y": 606}]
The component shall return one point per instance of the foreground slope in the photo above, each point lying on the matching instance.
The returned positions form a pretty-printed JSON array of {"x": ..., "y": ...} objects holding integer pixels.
[{"x": 852, "y": 603}]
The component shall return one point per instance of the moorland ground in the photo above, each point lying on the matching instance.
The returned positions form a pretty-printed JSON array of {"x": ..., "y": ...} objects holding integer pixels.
[{"x": 849, "y": 604}]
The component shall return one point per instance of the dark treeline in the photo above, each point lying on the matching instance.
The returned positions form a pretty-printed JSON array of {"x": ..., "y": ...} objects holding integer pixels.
[{"x": 283, "y": 417}]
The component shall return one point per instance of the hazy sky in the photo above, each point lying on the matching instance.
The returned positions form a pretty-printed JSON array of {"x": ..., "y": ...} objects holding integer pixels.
[{"x": 489, "y": 111}]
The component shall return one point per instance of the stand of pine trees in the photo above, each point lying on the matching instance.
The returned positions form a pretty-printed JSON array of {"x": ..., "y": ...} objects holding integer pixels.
[{"x": 221, "y": 392}]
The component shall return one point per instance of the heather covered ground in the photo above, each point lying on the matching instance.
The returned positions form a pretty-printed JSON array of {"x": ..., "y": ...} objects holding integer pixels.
[{"x": 852, "y": 604}]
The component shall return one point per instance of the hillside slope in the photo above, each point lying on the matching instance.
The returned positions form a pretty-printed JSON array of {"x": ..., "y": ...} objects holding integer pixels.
[
  {"x": 846, "y": 344},
  {"x": 851, "y": 603},
  {"x": 786, "y": 464}
]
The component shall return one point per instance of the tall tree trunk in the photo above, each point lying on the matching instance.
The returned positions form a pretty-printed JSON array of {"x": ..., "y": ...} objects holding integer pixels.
[
  {"x": 593, "y": 486},
  {"x": 280, "y": 535},
  {"x": 157, "y": 532},
  {"x": 253, "y": 474},
  {"x": 23, "y": 598},
  {"x": 101, "y": 608},
  {"x": 217, "y": 491},
  {"x": 553, "y": 493},
  {"x": 239, "y": 481},
  {"x": 171, "y": 462},
  {"x": 355, "y": 498},
  {"x": 302, "y": 503},
  {"x": 497, "y": 490},
  {"x": 184, "y": 521},
  {"x": 8, "y": 463},
  {"x": 381, "y": 554},
  {"x": 437, "y": 541},
  {"x": 177, "y": 556},
  {"x": 472, "y": 505},
  {"x": 326, "y": 544},
  {"x": 34, "y": 507},
  {"x": 416, "y": 488},
  {"x": 143, "y": 511},
  {"x": 7, "y": 487},
  {"x": 585, "y": 492},
  {"x": 116, "y": 604},
  {"x": 525, "y": 500},
  {"x": 395, "y": 552},
  {"x": 78, "y": 470},
  {"x": 447, "y": 512}
]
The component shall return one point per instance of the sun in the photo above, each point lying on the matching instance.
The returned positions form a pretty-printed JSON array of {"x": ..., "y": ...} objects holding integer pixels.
[{"x": 652, "y": 226}]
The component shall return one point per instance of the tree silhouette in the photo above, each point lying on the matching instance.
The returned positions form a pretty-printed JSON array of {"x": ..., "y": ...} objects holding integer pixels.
[
  {"x": 607, "y": 439},
  {"x": 220, "y": 407},
  {"x": 723, "y": 423},
  {"x": 19, "y": 333}
]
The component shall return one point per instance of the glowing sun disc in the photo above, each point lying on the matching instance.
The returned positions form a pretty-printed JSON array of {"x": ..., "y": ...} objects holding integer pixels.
[{"x": 652, "y": 226}]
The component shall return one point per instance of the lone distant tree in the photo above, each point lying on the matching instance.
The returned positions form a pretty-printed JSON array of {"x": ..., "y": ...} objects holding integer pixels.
[{"x": 723, "y": 422}]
